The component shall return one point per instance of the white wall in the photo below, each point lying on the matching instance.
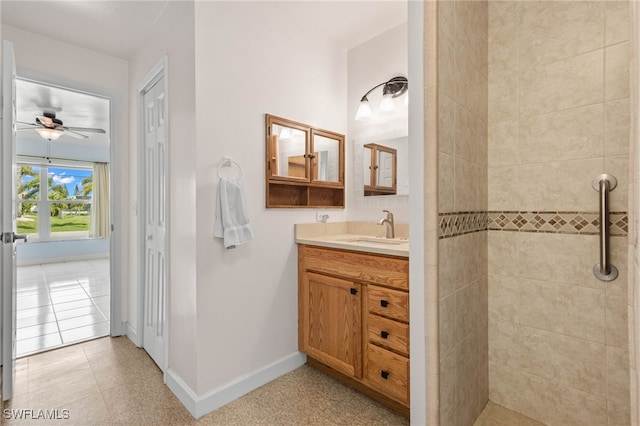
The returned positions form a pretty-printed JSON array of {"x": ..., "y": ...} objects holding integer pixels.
[
  {"x": 371, "y": 63},
  {"x": 249, "y": 63},
  {"x": 173, "y": 35},
  {"x": 53, "y": 61}
]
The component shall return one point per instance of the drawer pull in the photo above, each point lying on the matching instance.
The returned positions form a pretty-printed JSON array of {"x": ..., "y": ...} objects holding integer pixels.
[
  {"x": 384, "y": 303},
  {"x": 384, "y": 334},
  {"x": 384, "y": 374},
  {"x": 354, "y": 290}
]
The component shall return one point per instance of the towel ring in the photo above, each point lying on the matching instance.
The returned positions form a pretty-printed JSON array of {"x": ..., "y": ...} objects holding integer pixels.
[{"x": 228, "y": 162}]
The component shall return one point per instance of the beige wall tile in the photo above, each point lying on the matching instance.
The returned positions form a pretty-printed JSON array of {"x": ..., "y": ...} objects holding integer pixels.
[
  {"x": 446, "y": 125},
  {"x": 447, "y": 320},
  {"x": 565, "y": 135},
  {"x": 446, "y": 68},
  {"x": 503, "y": 96},
  {"x": 546, "y": 401},
  {"x": 619, "y": 167},
  {"x": 467, "y": 308},
  {"x": 561, "y": 185},
  {"x": 617, "y": 71},
  {"x": 466, "y": 258},
  {"x": 616, "y": 127},
  {"x": 446, "y": 178},
  {"x": 553, "y": 356},
  {"x": 449, "y": 274},
  {"x": 504, "y": 190},
  {"x": 618, "y": 16},
  {"x": 483, "y": 253},
  {"x": 618, "y": 414},
  {"x": 566, "y": 259},
  {"x": 503, "y": 37},
  {"x": 618, "y": 375},
  {"x": 503, "y": 252},
  {"x": 619, "y": 249},
  {"x": 466, "y": 384},
  {"x": 471, "y": 32},
  {"x": 471, "y": 86},
  {"x": 445, "y": 19},
  {"x": 571, "y": 310},
  {"x": 568, "y": 83},
  {"x": 560, "y": 32},
  {"x": 468, "y": 184},
  {"x": 504, "y": 149},
  {"x": 617, "y": 324},
  {"x": 470, "y": 136},
  {"x": 504, "y": 298},
  {"x": 447, "y": 382},
  {"x": 504, "y": 343}
]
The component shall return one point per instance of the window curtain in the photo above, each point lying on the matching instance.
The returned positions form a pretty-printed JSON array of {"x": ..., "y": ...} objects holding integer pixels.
[{"x": 100, "y": 224}]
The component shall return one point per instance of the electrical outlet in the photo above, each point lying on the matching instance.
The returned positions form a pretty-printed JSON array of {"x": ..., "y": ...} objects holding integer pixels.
[{"x": 322, "y": 217}]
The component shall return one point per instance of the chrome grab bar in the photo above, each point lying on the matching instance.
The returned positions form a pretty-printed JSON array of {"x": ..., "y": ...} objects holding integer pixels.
[{"x": 604, "y": 270}]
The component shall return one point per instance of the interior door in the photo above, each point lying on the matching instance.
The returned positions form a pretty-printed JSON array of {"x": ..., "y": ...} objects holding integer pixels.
[
  {"x": 155, "y": 285},
  {"x": 8, "y": 214}
]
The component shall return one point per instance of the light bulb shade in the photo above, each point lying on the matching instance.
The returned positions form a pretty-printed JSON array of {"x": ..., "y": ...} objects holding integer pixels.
[
  {"x": 406, "y": 100},
  {"x": 49, "y": 134},
  {"x": 387, "y": 105},
  {"x": 364, "y": 110}
]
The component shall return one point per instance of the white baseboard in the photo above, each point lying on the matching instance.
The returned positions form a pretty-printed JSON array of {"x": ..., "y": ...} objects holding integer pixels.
[
  {"x": 132, "y": 334},
  {"x": 199, "y": 406}
]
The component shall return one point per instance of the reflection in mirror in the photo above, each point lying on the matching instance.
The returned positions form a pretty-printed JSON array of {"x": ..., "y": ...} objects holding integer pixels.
[
  {"x": 384, "y": 166},
  {"x": 325, "y": 158},
  {"x": 381, "y": 173},
  {"x": 289, "y": 146}
]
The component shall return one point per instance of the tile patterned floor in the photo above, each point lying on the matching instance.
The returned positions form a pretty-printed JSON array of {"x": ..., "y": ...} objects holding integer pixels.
[
  {"x": 61, "y": 303},
  {"x": 109, "y": 381}
]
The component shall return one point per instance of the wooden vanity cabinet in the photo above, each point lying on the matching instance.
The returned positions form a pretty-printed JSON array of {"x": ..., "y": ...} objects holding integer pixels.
[{"x": 353, "y": 320}]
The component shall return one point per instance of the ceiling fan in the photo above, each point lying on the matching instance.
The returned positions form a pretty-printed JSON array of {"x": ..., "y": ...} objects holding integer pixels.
[{"x": 51, "y": 128}]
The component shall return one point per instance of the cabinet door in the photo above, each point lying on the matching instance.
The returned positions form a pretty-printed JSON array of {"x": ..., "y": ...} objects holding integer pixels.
[
  {"x": 327, "y": 150},
  {"x": 332, "y": 329}
]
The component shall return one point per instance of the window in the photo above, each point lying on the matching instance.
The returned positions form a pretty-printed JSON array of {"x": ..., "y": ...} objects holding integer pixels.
[{"x": 58, "y": 209}]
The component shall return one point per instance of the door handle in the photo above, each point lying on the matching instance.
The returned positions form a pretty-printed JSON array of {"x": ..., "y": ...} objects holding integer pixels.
[{"x": 11, "y": 237}]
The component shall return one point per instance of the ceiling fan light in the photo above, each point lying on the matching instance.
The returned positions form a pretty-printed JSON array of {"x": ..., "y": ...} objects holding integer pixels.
[
  {"x": 364, "y": 110},
  {"x": 49, "y": 134}
]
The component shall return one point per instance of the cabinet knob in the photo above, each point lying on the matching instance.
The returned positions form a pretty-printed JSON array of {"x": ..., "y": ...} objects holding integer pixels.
[
  {"x": 384, "y": 374},
  {"x": 384, "y": 334},
  {"x": 354, "y": 290},
  {"x": 384, "y": 303}
]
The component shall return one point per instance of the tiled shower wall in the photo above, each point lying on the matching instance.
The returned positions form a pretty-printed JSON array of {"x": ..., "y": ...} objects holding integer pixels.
[
  {"x": 462, "y": 142},
  {"x": 558, "y": 116}
]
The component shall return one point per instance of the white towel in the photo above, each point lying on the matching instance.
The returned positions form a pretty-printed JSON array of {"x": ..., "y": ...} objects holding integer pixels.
[{"x": 232, "y": 219}]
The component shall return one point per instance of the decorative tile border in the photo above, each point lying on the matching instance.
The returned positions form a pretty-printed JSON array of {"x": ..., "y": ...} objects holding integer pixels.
[
  {"x": 555, "y": 222},
  {"x": 454, "y": 224},
  {"x": 583, "y": 223}
]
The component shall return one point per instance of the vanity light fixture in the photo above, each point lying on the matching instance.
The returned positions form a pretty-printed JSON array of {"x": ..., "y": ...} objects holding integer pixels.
[
  {"x": 393, "y": 88},
  {"x": 49, "y": 134}
]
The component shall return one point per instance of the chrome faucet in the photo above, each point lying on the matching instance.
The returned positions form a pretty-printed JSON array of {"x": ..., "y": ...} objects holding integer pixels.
[{"x": 391, "y": 232}]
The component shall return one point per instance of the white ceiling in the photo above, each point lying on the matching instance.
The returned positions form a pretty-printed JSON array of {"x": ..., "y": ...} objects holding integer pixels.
[{"x": 118, "y": 28}]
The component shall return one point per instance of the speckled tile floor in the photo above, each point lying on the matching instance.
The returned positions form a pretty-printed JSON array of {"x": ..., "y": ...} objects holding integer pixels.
[{"x": 109, "y": 381}]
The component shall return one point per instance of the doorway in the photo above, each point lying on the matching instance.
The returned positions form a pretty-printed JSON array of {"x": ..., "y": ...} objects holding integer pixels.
[{"x": 64, "y": 271}]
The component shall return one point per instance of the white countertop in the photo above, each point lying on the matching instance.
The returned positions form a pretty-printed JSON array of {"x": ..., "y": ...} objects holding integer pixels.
[{"x": 366, "y": 243}]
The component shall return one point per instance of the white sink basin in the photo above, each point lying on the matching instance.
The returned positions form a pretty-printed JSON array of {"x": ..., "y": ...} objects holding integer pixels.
[{"x": 374, "y": 240}]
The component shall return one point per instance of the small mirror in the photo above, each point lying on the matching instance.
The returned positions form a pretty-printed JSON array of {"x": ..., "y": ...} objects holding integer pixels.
[
  {"x": 385, "y": 167},
  {"x": 325, "y": 158},
  {"x": 288, "y": 147}
]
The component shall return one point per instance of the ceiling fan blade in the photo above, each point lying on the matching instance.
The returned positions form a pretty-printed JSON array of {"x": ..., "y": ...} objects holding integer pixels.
[
  {"x": 27, "y": 124},
  {"x": 84, "y": 129},
  {"x": 74, "y": 134},
  {"x": 45, "y": 121}
]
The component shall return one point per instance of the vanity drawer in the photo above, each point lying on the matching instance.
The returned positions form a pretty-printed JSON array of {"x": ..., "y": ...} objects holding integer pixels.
[
  {"x": 389, "y": 303},
  {"x": 388, "y": 373},
  {"x": 390, "y": 271},
  {"x": 388, "y": 333}
]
